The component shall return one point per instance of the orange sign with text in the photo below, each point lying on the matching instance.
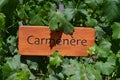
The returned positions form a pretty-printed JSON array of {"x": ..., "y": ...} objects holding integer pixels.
[{"x": 40, "y": 41}]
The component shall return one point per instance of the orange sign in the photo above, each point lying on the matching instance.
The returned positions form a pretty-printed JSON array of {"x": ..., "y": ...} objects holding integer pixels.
[{"x": 40, "y": 41}]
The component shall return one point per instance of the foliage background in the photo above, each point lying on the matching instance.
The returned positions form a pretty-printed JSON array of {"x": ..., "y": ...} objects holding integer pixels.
[{"x": 102, "y": 15}]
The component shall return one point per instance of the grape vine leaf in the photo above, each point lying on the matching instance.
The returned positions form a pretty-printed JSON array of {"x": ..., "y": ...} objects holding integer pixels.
[
  {"x": 12, "y": 77},
  {"x": 91, "y": 3},
  {"x": 110, "y": 9},
  {"x": 104, "y": 48},
  {"x": 69, "y": 13},
  {"x": 79, "y": 71},
  {"x": 91, "y": 22},
  {"x": 105, "y": 68},
  {"x": 55, "y": 59},
  {"x": 60, "y": 23},
  {"x": 32, "y": 65},
  {"x": 2, "y": 3},
  {"x": 116, "y": 30},
  {"x": 52, "y": 78},
  {"x": 14, "y": 62},
  {"x": 2, "y": 21},
  {"x": 21, "y": 75},
  {"x": 36, "y": 20},
  {"x": 71, "y": 68},
  {"x": 13, "y": 69},
  {"x": 118, "y": 55},
  {"x": 6, "y": 71}
]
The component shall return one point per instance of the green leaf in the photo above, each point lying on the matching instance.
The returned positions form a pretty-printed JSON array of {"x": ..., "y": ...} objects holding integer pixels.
[
  {"x": 91, "y": 3},
  {"x": 92, "y": 73},
  {"x": 55, "y": 59},
  {"x": 36, "y": 20},
  {"x": 118, "y": 79},
  {"x": 91, "y": 22},
  {"x": 12, "y": 77},
  {"x": 2, "y": 21},
  {"x": 12, "y": 69},
  {"x": 99, "y": 2},
  {"x": 1, "y": 42},
  {"x": 118, "y": 55},
  {"x": 67, "y": 27},
  {"x": 23, "y": 75},
  {"x": 71, "y": 68},
  {"x": 12, "y": 41},
  {"x": 21, "y": 1},
  {"x": 59, "y": 22},
  {"x": 116, "y": 30},
  {"x": 75, "y": 77},
  {"x": 6, "y": 71},
  {"x": 14, "y": 63},
  {"x": 91, "y": 50},
  {"x": 110, "y": 9},
  {"x": 69, "y": 13},
  {"x": 105, "y": 68},
  {"x": 60, "y": 75},
  {"x": 99, "y": 33},
  {"x": 21, "y": 12},
  {"x": 112, "y": 59},
  {"x": 25, "y": 68},
  {"x": 32, "y": 65},
  {"x": 53, "y": 23},
  {"x": 85, "y": 12},
  {"x": 2, "y": 3},
  {"x": 79, "y": 71},
  {"x": 52, "y": 78},
  {"x": 104, "y": 48}
]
